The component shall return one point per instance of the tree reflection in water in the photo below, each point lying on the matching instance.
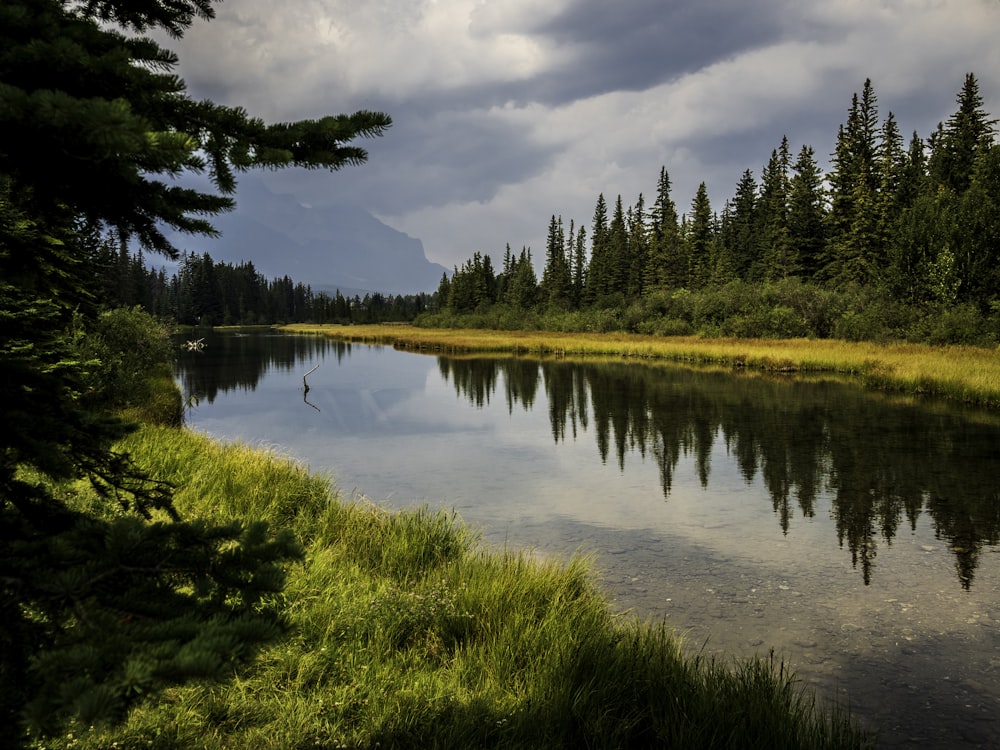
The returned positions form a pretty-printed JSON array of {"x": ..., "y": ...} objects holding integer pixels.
[{"x": 883, "y": 460}]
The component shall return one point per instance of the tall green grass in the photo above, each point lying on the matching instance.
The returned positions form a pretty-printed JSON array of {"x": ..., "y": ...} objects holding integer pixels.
[{"x": 406, "y": 632}]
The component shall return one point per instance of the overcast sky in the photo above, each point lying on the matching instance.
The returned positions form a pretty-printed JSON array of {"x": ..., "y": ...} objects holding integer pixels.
[{"x": 506, "y": 112}]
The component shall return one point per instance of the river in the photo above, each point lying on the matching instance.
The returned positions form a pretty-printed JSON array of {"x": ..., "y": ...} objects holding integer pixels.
[{"x": 855, "y": 535}]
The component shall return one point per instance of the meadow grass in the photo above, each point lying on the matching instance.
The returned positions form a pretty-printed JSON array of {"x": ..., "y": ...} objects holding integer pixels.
[
  {"x": 960, "y": 373},
  {"x": 405, "y": 631}
]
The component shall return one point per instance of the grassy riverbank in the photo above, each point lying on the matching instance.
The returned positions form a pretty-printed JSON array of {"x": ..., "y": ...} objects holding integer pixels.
[
  {"x": 404, "y": 632},
  {"x": 960, "y": 373}
]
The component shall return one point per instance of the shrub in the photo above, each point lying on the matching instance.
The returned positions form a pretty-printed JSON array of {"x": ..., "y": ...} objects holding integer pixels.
[
  {"x": 665, "y": 327},
  {"x": 959, "y": 324},
  {"x": 132, "y": 348}
]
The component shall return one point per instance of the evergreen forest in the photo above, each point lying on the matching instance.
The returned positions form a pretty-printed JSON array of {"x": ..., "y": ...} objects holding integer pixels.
[
  {"x": 205, "y": 292},
  {"x": 899, "y": 240}
]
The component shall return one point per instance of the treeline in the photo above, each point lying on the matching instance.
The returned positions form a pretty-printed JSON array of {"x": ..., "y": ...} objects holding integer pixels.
[
  {"x": 897, "y": 240},
  {"x": 207, "y": 292}
]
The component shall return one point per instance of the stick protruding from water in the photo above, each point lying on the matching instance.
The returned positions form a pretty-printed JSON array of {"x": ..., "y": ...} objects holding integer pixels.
[{"x": 305, "y": 384}]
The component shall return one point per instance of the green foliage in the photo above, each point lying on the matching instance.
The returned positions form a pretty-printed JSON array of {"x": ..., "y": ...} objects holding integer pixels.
[
  {"x": 130, "y": 346},
  {"x": 665, "y": 249},
  {"x": 954, "y": 324},
  {"x": 125, "y": 607},
  {"x": 405, "y": 633},
  {"x": 473, "y": 286},
  {"x": 871, "y": 318},
  {"x": 878, "y": 256},
  {"x": 873, "y": 249},
  {"x": 100, "y": 604},
  {"x": 787, "y": 308},
  {"x": 203, "y": 291},
  {"x": 557, "y": 279}
]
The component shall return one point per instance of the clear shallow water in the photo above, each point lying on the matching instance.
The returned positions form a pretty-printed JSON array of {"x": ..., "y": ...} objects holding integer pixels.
[{"x": 854, "y": 534}]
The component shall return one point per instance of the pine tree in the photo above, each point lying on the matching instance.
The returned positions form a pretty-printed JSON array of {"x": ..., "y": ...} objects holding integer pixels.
[
  {"x": 618, "y": 252},
  {"x": 890, "y": 165},
  {"x": 474, "y": 285},
  {"x": 522, "y": 290},
  {"x": 967, "y": 133},
  {"x": 778, "y": 260},
  {"x": 486, "y": 282},
  {"x": 913, "y": 175},
  {"x": 854, "y": 183},
  {"x": 96, "y": 126},
  {"x": 569, "y": 253},
  {"x": 916, "y": 221},
  {"x": 741, "y": 236},
  {"x": 503, "y": 278},
  {"x": 806, "y": 213},
  {"x": 599, "y": 270},
  {"x": 638, "y": 248},
  {"x": 556, "y": 278},
  {"x": 700, "y": 239},
  {"x": 665, "y": 247},
  {"x": 979, "y": 217},
  {"x": 579, "y": 267}
]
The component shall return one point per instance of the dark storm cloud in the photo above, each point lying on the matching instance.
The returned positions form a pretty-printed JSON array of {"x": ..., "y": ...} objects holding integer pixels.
[
  {"x": 625, "y": 46},
  {"x": 631, "y": 46},
  {"x": 429, "y": 159},
  {"x": 507, "y": 112},
  {"x": 635, "y": 45}
]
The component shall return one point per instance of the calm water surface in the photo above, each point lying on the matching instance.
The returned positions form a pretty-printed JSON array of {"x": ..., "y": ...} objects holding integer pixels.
[{"x": 855, "y": 535}]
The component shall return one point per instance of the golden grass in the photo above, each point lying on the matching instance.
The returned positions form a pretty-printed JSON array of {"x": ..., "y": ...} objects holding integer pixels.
[{"x": 962, "y": 373}]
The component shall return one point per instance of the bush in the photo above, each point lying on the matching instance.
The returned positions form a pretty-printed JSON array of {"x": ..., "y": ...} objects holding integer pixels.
[
  {"x": 780, "y": 322},
  {"x": 131, "y": 348},
  {"x": 785, "y": 308},
  {"x": 960, "y": 324},
  {"x": 665, "y": 327}
]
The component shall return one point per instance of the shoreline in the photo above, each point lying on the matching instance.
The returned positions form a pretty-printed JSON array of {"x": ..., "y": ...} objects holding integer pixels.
[{"x": 962, "y": 374}]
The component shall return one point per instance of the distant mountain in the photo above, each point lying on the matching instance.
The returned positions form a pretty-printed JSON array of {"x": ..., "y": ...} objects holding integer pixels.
[{"x": 326, "y": 247}]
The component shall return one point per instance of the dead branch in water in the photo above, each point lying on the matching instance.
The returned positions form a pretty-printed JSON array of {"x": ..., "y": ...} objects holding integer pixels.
[{"x": 305, "y": 385}]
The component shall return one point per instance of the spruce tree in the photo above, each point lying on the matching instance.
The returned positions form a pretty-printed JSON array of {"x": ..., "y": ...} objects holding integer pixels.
[
  {"x": 916, "y": 221},
  {"x": 778, "y": 260},
  {"x": 890, "y": 166},
  {"x": 725, "y": 265},
  {"x": 503, "y": 279},
  {"x": 913, "y": 175},
  {"x": 638, "y": 248},
  {"x": 599, "y": 270},
  {"x": 102, "y": 605},
  {"x": 569, "y": 253},
  {"x": 967, "y": 134},
  {"x": 665, "y": 248},
  {"x": 976, "y": 242},
  {"x": 854, "y": 184},
  {"x": 806, "y": 213},
  {"x": 700, "y": 240},
  {"x": 741, "y": 236},
  {"x": 523, "y": 286},
  {"x": 618, "y": 252},
  {"x": 580, "y": 267},
  {"x": 556, "y": 279}
]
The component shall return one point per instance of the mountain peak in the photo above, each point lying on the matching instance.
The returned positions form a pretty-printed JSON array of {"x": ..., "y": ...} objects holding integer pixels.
[{"x": 327, "y": 247}]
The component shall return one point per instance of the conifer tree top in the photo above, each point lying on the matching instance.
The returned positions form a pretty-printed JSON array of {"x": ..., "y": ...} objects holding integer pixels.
[{"x": 84, "y": 104}]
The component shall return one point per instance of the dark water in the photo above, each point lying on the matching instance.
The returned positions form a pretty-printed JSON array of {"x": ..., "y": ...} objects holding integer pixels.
[{"x": 856, "y": 535}]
